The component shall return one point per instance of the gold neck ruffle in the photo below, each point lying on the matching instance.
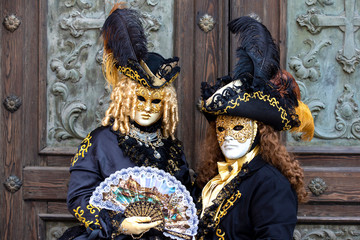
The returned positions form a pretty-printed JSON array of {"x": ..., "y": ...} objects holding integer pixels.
[{"x": 227, "y": 171}]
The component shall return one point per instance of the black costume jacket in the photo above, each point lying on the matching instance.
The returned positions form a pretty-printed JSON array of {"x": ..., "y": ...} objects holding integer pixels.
[
  {"x": 259, "y": 203},
  {"x": 102, "y": 153}
]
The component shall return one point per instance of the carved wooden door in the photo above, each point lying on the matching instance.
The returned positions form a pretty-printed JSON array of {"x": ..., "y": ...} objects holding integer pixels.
[
  {"x": 319, "y": 42},
  {"x": 53, "y": 94},
  {"x": 323, "y": 55}
]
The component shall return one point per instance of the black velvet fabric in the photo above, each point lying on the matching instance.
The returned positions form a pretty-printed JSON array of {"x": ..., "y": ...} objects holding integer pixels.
[
  {"x": 158, "y": 66},
  {"x": 102, "y": 157},
  {"x": 266, "y": 209}
]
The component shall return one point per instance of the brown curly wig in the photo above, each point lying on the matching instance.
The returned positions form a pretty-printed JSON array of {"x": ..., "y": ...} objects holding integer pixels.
[{"x": 271, "y": 149}]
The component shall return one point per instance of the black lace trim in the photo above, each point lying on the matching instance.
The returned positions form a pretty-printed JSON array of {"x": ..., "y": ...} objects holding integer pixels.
[
  {"x": 207, "y": 223},
  {"x": 221, "y": 99},
  {"x": 208, "y": 90},
  {"x": 171, "y": 153}
]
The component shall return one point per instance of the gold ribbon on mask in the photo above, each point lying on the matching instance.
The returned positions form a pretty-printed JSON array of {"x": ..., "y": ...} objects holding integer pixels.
[{"x": 227, "y": 171}]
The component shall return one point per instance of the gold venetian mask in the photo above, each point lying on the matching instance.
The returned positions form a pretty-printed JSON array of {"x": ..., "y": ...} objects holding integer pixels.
[
  {"x": 149, "y": 100},
  {"x": 239, "y": 128},
  {"x": 149, "y": 105}
]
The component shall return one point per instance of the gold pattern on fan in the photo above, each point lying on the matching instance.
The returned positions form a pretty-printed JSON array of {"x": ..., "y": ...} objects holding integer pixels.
[{"x": 146, "y": 209}]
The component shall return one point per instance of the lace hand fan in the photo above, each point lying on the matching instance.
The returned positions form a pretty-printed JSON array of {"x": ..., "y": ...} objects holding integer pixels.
[{"x": 151, "y": 192}]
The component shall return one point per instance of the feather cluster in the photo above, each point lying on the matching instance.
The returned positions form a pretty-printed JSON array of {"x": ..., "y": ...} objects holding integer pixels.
[
  {"x": 307, "y": 126},
  {"x": 124, "y": 36},
  {"x": 258, "y": 55},
  {"x": 258, "y": 69}
]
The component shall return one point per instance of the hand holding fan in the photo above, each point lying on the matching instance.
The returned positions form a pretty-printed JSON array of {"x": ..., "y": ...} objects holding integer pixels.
[{"x": 151, "y": 192}]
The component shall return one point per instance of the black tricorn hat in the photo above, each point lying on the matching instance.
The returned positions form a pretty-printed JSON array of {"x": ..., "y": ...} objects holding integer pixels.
[
  {"x": 125, "y": 50},
  {"x": 259, "y": 89}
]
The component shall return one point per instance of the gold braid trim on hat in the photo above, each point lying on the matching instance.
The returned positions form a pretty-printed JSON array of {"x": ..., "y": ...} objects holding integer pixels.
[
  {"x": 245, "y": 98},
  {"x": 134, "y": 75},
  {"x": 172, "y": 79},
  {"x": 158, "y": 81},
  {"x": 111, "y": 73}
]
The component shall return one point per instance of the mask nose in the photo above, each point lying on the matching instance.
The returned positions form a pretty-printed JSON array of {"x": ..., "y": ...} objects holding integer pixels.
[
  {"x": 147, "y": 106},
  {"x": 228, "y": 138}
]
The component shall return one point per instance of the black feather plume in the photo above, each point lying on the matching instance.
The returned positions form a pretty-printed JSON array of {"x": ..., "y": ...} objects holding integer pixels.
[
  {"x": 124, "y": 36},
  {"x": 257, "y": 54}
]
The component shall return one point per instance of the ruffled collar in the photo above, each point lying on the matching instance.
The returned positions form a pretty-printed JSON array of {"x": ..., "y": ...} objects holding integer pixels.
[{"x": 159, "y": 152}]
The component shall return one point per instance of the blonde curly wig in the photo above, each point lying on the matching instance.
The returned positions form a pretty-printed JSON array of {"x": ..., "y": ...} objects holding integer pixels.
[{"x": 123, "y": 103}]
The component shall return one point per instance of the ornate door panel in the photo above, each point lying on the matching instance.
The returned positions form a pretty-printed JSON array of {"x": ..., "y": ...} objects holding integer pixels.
[
  {"x": 201, "y": 42},
  {"x": 323, "y": 55},
  {"x": 53, "y": 95},
  {"x": 19, "y": 74},
  {"x": 76, "y": 90}
]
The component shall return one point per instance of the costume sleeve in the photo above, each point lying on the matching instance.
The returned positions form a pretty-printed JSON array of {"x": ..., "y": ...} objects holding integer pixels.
[
  {"x": 274, "y": 210},
  {"x": 85, "y": 176},
  {"x": 187, "y": 177},
  {"x": 183, "y": 174}
]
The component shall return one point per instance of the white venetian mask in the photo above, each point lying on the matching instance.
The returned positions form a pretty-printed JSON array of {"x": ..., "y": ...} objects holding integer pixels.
[{"x": 235, "y": 135}]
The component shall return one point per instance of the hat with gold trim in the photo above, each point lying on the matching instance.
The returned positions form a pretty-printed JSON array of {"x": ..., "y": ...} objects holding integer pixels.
[
  {"x": 258, "y": 89},
  {"x": 125, "y": 51}
]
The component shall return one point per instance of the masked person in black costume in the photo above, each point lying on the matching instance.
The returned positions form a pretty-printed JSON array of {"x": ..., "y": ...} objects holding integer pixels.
[
  {"x": 252, "y": 185},
  {"x": 137, "y": 130}
]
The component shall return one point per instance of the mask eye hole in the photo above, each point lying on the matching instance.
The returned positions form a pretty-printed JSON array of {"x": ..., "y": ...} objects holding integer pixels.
[
  {"x": 221, "y": 129},
  {"x": 141, "y": 98},
  {"x": 156, "y": 101},
  {"x": 238, "y": 127}
]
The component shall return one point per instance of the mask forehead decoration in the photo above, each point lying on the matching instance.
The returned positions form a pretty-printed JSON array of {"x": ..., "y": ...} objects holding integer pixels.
[
  {"x": 150, "y": 100},
  {"x": 239, "y": 128}
]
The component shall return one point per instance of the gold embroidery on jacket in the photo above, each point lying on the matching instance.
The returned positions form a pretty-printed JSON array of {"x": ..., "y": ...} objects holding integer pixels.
[
  {"x": 116, "y": 225},
  {"x": 173, "y": 166},
  {"x": 79, "y": 215},
  {"x": 230, "y": 202},
  {"x": 218, "y": 233},
  {"x": 92, "y": 209},
  {"x": 84, "y": 148}
]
